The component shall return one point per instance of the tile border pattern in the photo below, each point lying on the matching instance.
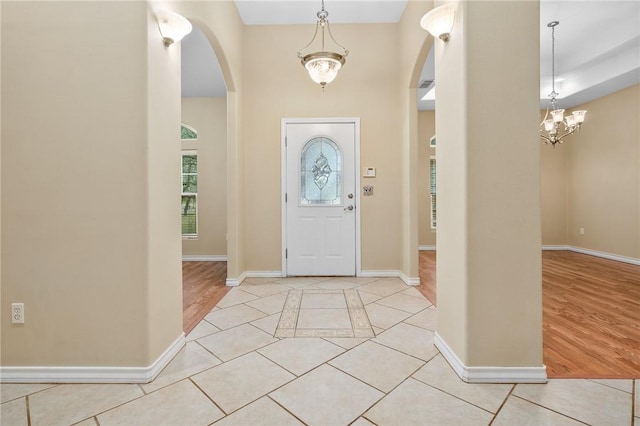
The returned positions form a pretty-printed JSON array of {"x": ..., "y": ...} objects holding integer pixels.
[{"x": 360, "y": 324}]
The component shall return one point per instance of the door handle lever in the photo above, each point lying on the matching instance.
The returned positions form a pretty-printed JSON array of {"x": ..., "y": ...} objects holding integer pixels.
[{"x": 348, "y": 208}]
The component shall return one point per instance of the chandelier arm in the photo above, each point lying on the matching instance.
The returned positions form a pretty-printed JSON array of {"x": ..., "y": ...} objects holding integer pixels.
[
  {"x": 300, "y": 55},
  {"x": 545, "y": 116},
  {"x": 548, "y": 140},
  {"x": 570, "y": 132},
  {"x": 346, "y": 52}
]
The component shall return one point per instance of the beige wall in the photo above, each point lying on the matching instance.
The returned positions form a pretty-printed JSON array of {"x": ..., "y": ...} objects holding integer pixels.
[
  {"x": 604, "y": 176},
  {"x": 209, "y": 117},
  {"x": 83, "y": 185},
  {"x": 367, "y": 87},
  {"x": 553, "y": 200},
  {"x": 2, "y": 305},
  {"x": 164, "y": 266}
]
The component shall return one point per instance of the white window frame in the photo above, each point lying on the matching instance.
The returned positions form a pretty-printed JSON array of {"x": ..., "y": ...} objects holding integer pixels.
[
  {"x": 432, "y": 194},
  {"x": 195, "y": 194}
]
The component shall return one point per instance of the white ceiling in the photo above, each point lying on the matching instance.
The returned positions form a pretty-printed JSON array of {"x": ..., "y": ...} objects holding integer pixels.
[{"x": 597, "y": 43}]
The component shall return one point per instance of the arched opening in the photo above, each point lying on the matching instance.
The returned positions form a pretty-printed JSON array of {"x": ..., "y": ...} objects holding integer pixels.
[
  {"x": 427, "y": 183},
  {"x": 204, "y": 178}
]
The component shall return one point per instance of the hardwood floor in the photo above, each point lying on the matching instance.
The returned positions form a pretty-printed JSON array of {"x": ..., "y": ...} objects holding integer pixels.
[
  {"x": 591, "y": 314},
  {"x": 203, "y": 285},
  {"x": 427, "y": 273}
]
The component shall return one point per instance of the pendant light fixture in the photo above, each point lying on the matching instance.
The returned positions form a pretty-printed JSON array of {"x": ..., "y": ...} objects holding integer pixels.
[
  {"x": 552, "y": 126},
  {"x": 323, "y": 65}
]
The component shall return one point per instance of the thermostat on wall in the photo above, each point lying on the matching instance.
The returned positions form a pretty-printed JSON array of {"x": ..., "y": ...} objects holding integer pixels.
[{"x": 369, "y": 172}]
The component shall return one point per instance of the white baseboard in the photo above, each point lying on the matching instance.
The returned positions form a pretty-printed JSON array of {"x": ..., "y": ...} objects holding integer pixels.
[
  {"x": 555, "y": 247},
  {"x": 92, "y": 374},
  {"x": 602, "y": 254},
  {"x": 263, "y": 274},
  {"x": 390, "y": 273},
  {"x": 490, "y": 374},
  {"x": 408, "y": 280},
  {"x": 426, "y": 248},
  {"x": 232, "y": 282},
  {"x": 235, "y": 282},
  {"x": 203, "y": 258},
  {"x": 610, "y": 256}
]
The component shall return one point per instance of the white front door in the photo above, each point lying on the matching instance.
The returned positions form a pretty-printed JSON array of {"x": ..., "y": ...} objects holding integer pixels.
[{"x": 320, "y": 194}]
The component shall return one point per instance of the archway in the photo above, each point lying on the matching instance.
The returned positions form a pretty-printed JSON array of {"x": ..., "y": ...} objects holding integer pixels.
[{"x": 204, "y": 177}]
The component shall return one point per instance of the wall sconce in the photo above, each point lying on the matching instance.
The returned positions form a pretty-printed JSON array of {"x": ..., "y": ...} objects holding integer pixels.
[
  {"x": 173, "y": 27},
  {"x": 439, "y": 21}
]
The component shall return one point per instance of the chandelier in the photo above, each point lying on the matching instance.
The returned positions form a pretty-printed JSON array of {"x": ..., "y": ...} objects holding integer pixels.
[
  {"x": 558, "y": 123},
  {"x": 323, "y": 66}
]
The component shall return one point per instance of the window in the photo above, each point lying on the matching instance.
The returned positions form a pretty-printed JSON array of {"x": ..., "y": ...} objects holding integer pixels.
[
  {"x": 187, "y": 132},
  {"x": 432, "y": 189},
  {"x": 320, "y": 173},
  {"x": 189, "y": 208}
]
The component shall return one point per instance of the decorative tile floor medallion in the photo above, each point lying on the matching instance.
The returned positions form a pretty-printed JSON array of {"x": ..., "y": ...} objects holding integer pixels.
[{"x": 324, "y": 313}]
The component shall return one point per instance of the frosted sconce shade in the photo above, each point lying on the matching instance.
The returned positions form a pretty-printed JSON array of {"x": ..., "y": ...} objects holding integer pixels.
[
  {"x": 558, "y": 115},
  {"x": 571, "y": 120},
  {"x": 548, "y": 125},
  {"x": 173, "y": 27},
  {"x": 439, "y": 21},
  {"x": 579, "y": 116}
]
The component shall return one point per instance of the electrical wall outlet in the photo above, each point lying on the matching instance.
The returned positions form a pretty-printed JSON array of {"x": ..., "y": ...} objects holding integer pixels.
[
  {"x": 367, "y": 190},
  {"x": 581, "y": 231},
  {"x": 17, "y": 313}
]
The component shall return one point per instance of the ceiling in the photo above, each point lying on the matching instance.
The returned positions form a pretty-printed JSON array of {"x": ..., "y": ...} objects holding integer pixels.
[{"x": 597, "y": 43}]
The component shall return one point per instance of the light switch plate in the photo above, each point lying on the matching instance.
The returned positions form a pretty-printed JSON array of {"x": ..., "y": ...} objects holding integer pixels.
[{"x": 369, "y": 172}]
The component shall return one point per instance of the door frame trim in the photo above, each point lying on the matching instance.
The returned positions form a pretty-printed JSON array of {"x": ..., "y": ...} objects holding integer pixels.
[{"x": 283, "y": 180}]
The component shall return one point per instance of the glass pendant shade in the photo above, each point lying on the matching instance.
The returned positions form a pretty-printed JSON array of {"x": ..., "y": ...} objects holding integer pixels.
[{"x": 323, "y": 67}]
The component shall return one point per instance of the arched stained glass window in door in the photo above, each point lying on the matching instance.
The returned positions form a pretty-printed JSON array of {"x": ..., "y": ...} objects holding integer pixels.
[{"x": 320, "y": 172}]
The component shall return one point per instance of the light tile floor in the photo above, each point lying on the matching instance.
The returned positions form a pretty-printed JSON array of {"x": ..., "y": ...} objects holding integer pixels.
[{"x": 233, "y": 371}]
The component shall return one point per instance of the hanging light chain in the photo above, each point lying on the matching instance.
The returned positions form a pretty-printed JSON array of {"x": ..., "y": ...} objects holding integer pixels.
[
  {"x": 553, "y": 93},
  {"x": 553, "y": 59}
]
